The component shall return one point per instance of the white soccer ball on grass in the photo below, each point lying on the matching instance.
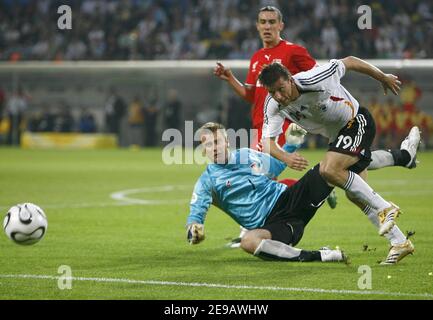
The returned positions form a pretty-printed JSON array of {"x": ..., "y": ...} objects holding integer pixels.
[{"x": 25, "y": 223}]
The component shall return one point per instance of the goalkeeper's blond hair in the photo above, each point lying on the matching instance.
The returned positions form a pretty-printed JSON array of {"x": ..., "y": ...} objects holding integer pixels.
[{"x": 212, "y": 127}]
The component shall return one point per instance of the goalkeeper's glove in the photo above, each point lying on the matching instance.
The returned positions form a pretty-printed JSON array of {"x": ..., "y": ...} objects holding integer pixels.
[
  {"x": 195, "y": 233},
  {"x": 295, "y": 134}
]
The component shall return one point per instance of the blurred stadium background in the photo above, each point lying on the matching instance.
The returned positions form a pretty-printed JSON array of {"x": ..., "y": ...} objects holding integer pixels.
[{"x": 135, "y": 68}]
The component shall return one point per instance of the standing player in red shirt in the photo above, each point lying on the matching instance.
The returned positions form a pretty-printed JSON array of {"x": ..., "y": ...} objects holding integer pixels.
[{"x": 294, "y": 57}]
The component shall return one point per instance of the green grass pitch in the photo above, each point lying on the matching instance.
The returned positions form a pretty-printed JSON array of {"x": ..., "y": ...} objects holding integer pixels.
[{"x": 137, "y": 249}]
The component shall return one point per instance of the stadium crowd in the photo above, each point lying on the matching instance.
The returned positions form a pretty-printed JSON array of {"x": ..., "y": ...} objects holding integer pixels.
[
  {"x": 209, "y": 29},
  {"x": 202, "y": 29}
]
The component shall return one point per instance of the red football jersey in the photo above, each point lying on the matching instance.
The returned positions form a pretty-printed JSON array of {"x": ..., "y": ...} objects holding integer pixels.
[{"x": 294, "y": 57}]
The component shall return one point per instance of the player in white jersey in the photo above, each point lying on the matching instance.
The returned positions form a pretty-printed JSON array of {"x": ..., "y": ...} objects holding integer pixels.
[
  {"x": 323, "y": 107},
  {"x": 318, "y": 102}
]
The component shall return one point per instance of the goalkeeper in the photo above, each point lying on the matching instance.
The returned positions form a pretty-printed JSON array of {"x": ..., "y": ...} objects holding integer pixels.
[{"x": 240, "y": 183}]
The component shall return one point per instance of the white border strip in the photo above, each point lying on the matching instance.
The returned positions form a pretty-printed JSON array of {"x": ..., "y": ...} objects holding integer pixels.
[{"x": 220, "y": 286}]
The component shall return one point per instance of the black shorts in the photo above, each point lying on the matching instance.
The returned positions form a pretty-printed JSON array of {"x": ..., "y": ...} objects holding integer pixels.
[
  {"x": 356, "y": 139},
  {"x": 296, "y": 206}
]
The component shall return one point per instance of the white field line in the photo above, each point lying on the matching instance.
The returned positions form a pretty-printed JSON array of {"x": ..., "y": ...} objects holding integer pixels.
[
  {"x": 123, "y": 197},
  {"x": 219, "y": 286}
]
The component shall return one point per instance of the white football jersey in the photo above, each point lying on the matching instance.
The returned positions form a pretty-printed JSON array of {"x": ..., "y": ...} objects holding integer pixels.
[{"x": 324, "y": 106}]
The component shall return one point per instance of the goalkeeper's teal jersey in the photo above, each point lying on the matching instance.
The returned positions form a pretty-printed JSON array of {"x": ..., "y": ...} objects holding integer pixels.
[{"x": 243, "y": 188}]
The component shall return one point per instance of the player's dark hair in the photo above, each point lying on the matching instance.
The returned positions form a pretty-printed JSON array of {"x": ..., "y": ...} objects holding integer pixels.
[
  {"x": 271, "y": 9},
  {"x": 271, "y": 73}
]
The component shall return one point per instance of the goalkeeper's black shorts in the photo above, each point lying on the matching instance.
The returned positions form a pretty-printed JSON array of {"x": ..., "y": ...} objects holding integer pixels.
[{"x": 296, "y": 206}]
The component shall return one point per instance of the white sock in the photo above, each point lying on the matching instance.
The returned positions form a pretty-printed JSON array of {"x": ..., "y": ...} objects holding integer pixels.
[
  {"x": 395, "y": 236},
  {"x": 362, "y": 192},
  {"x": 381, "y": 159},
  {"x": 277, "y": 249},
  {"x": 242, "y": 232},
  {"x": 331, "y": 255}
]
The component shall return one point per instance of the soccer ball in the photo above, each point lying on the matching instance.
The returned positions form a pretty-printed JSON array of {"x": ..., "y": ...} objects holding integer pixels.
[{"x": 25, "y": 223}]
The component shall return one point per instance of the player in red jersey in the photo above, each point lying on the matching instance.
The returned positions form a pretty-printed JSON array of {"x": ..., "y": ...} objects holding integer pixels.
[{"x": 294, "y": 57}]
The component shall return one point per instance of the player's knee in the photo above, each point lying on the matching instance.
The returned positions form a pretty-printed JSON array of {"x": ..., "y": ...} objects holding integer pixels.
[
  {"x": 327, "y": 171},
  {"x": 250, "y": 242},
  {"x": 246, "y": 243}
]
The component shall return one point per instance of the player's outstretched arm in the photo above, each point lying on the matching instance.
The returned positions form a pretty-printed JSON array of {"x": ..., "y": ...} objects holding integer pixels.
[
  {"x": 293, "y": 160},
  {"x": 200, "y": 202},
  {"x": 389, "y": 81},
  {"x": 226, "y": 74}
]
